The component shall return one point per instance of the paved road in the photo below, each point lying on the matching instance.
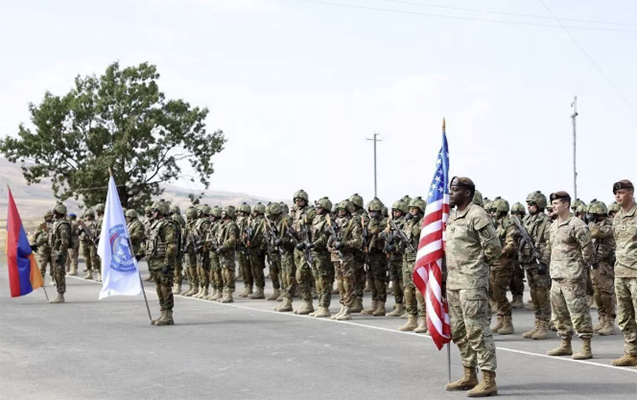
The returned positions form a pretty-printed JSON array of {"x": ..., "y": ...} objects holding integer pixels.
[{"x": 90, "y": 349}]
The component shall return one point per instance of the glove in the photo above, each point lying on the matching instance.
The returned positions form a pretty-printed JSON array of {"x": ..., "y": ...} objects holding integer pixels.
[
  {"x": 165, "y": 269},
  {"x": 338, "y": 245},
  {"x": 34, "y": 248},
  {"x": 309, "y": 246},
  {"x": 277, "y": 242},
  {"x": 300, "y": 246},
  {"x": 541, "y": 269}
]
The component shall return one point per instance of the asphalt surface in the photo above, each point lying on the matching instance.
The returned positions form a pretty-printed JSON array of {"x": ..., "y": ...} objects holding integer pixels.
[{"x": 90, "y": 349}]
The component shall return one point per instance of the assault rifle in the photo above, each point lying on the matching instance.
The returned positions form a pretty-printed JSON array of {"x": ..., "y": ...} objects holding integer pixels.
[
  {"x": 402, "y": 236},
  {"x": 334, "y": 234},
  {"x": 366, "y": 243},
  {"x": 295, "y": 238},
  {"x": 526, "y": 239}
]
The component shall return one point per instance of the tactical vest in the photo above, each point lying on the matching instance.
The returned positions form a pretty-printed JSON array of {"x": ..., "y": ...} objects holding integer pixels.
[{"x": 55, "y": 239}]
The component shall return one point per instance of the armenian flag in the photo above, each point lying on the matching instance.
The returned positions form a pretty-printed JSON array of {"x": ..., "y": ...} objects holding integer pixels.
[{"x": 24, "y": 275}]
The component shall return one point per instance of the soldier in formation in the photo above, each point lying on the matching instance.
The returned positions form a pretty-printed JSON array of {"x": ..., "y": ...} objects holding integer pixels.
[
  {"x": 41, "y": 241},
  {"x": 72, "y": 259}
]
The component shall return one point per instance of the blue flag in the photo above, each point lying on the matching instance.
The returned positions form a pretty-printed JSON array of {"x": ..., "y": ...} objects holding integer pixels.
[{"x": 120, "y": 273}]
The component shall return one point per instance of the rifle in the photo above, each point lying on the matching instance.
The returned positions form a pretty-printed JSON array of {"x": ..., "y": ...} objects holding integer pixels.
[
  {"x": 270, "y": 237},
  {"x": 295, "y": 238},
  {"x": 402, "y": 236},
  {"x": 526, "y": 239},
  {"x": 87, "y": 233},
  {"x": 366, "y": 243},
  {"x": 308, "y": 241},
  {"x": 334, "y": 234}
]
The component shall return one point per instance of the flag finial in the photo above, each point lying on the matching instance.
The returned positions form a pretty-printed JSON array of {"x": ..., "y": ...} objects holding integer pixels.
[{"x": 444, "y": 124}]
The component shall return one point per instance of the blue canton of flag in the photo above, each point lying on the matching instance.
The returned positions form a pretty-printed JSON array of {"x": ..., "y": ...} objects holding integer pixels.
[{"x": 440, "y": 184}]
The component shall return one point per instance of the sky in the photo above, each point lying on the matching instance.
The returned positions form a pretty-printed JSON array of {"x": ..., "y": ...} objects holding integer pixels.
[{"x": 299, "y": 85}]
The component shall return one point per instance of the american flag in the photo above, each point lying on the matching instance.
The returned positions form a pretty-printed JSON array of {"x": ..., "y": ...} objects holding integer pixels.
[{"x": 431, "y": 250}]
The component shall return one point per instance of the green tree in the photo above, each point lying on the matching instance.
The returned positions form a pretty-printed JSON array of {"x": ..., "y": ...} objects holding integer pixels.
[{"x": 120, "y": 120}]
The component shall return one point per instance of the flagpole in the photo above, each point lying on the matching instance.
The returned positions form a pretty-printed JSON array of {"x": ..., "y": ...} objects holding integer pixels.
[
  {"x": 444, "y": 128},
  {"x": 45, "y": 293}
]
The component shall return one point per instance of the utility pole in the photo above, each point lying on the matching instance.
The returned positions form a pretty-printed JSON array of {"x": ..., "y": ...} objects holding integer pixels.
[
  {"x": 574, "y": 117},
  {"x": 375, "y": 139}
]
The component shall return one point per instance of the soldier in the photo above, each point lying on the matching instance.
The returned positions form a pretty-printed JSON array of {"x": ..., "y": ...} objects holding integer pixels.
[
  {"x": 335, "y": 254},
  {"x": 571, "y": 252},
  {"x": 59, "y": 243},
  {"x": 148, "y": 221},
  {"x": 580, "y": 212},
  {"x": 71, "y": 261},
  {"x": 517, "y": 280},
  {"x": 349, "y": 241},
  {"x": 41, "y": 241},
  {"x": 613, "y": 209},
  {"x": 603, "y": 274},
  {"x": 376, "y": 259},
  {"x": 537, "y": 225},
  {"x": 302, "y": 221},
  {"x": 99, "y": 218},
  {"x": 245, "y": 273},
  {"x": 175, "y": 214},
  {"x": 281, "y": 220},
  {"x": 322, "y": 266},
  {"x": 362, "y": 276},
  {"x": 136, "y": 232},
  {"x": 395, "y": 251},
  {"x": 202, "y": 226},
  {"x": 212, "y": 244},
  {"x": 189, "y": 250},
  {"x": 478, "y": 200},
  {"x": 255, "y": 243},
  {"x": 472, "y": 243},
  {"x": 273, "y": 252},
  {"x": 88, "y": 239},
  {"x": 414, "y": 301},
  {"x": 625, "y": 231},
  {"x": 161, "y": 252},
  {"x": 227, "y": 240}
]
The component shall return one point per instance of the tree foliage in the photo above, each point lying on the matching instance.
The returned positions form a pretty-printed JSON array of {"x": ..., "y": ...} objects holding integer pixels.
[{"x": 120, "y": 120}]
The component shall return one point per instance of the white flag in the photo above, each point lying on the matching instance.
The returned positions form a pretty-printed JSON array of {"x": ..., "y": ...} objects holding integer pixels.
[{"x": 120, "y": 273}]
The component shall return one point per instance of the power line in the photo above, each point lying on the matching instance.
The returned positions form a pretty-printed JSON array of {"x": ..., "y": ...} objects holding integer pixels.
[
  {"x": 395, "y": 11},
  {"x": 588, "y": 56},
  {"x": 506, "y": 13}
]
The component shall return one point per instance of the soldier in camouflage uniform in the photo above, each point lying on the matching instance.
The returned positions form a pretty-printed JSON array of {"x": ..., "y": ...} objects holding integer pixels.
[
  {"x": 136, "y": 232},
  {"x": 477, "y": 199},
  {"x": 322, "y": 268},
  {"x": 202, "y": 226},
  {"x": 281, "y": 220},
  {"x": 245, "y": 272},
  {"x": 502, "y": 268},
  {"x": 377, "y": 261},
  {"x": 59, "y": 242},
  {"x": 148, "y": 221},
  {"x": 190, "y": 243},
  {"x": 273, "y": 252},
  {"x": 227, "y": 240},
  {"x": 394, "y": 249},
  {"x": 414, "y": 301},
  {"x": 88, "y": 238},
  {"x": 162, "y": 249},
  {"x": 571, "y": 251},
  {"x": 603, "y": 273},
  {"x": 472, "y": 243},
  {"x": 212, "y": 244},
  {"x": 613, "y": 209},
  {"x": 625, "y": 231},
  {"x": 348, "y": 243},
  {"x": 74, "y": 250},
  {"x": 97, "y": 261},
  {"x": 517, "y": 280},
  {"x": 362, "y": 276},
  {"x": 41, "y": 240},
  {"x": 537, "y": 225},
  {"x": 254, "y": 240},
  {"x": 175, "y": 214},
  {"x": 302, "y": 221}
]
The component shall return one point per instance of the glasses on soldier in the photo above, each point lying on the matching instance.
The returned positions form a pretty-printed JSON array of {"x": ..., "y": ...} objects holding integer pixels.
[{"x": 530, "y": 203}]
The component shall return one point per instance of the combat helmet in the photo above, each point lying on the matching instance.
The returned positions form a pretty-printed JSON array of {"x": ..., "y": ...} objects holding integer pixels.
[
  {"x": 477, "y": 198},
  {"x": 174, "y": 209},
  {"x": 228, "y": 211},
  {"x": 326, "y": 204},
  {"x": 576, "y": 205},
  {"x": 419, "y": 203},
  {"x": 204, "y": 209},
  {"x": 537, "y": 198},
  {"x": 131, "y": 214},
  {"x": 345, "y": 205},
  {"x": 48, "y": 214},
  {"x": 375, "y": 205},
  {"x": 216, "y": 212},
  {"x": 191, "y": 212},
  {"x": 356, "y": 200},
  {"x": 486, "y": 203},
  {"x": 401, "y": 206},
  {"x": 598, "y": 208},
  {"x": 60, "y": 209},
  {"x": 148, "y": 209},
  {"x": 518, "y": 208},
  {"x": 89, "y": 213},
  {"x": 301, "y": 194},
  {"x": 245, "y": 208},
  {"x": 99, "y": 208},
  {"x": 162, "y": 207},
  {"x": 284, "y": 208},
  {"x": 274, "y": 209},
  {"x": 259, "y": 208},
  {"x": 580, "y": 209},
  {"x": 500, "y": 205},
  {"x": 493, "y": 205},
  {"x": 406, "y": 199}
]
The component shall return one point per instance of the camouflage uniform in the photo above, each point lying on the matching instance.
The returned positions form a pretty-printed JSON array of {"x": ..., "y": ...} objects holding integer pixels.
[
  {"x": 377, "y": 261},
  {"x": 472, "y": 243},
  {"x": 202, "y": 226},
  {"x": 361, "y": 275},
  {"x": 227, "y": 238},
  {"x": 273, "y": 252},
  {"x": 281, "y": 223},
  {"x": 74, "y": 250},
  {"x": 256, "y": 246},
  {"x": 189, "y": 250},
  {"x": 244, "y": 266},
  {"x": 625, "y": 231},
  {"x": 88, "y": 236},
  {"x": 603, "y": 274},
  {"x": 41, "y": 240},
  {"x": 212, "y": 244},
  {"x": 396, "y": 253},
  {"x": 59, "y": 242},
  {"x": 323, "y": 268},
  {"x": 301, "y": 224},
  {"x": 175, "y": 214},
  {"x": 572, "y": 253},
  {"x": 414, "y": 302},
  {"x": 97, "y": 261}
]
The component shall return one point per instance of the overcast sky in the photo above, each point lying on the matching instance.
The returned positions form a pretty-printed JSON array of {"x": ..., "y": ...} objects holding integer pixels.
[{"x": 298, "y": 86}]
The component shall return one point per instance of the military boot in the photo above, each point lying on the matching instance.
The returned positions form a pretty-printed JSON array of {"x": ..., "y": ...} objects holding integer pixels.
[
  {"x": 552, "y": 326},
  {"x": 398, "y": 311},
  {"x": 507, "y": 326},
  {"x": 345, "y": 315},
  {"x": 529, "y": 334},
  {"x": 468, "y": 381},
  {"x": 323, "y": 312},
  {"x": 218, "y": 296},
  {"x": 627, "y": 360},
  {"x": 191, "y": 291},
  {"x": 487, "y": 386},
  {"x": 89, "y": 275},
  {"x": 371, "y": 309},
  {"x": 410, "y": 325},
  {"x": 227, "y": 298},
  {"x": 203, "y": 293},
  {"x": 73, "y": 271},
  {"x": 495, "y": 328},
  {"x": 211, "y": 293},
  {"x": 585, "y": 353},
  {"x": 517, "y": 302},
  {"x": 564, "y": 349},
  {"x": 600, "y": 325},
  {"x": 154, "y": 322},
  {"x": 338, "y": 313},
  {"x": 176, "y": 288},
  {"x": 422, "y": 326},
  {"x": 286, "y": 305},
  {"x": 380, "y": 310},
  {"x": 542, "y": 331},
  {"x": 247, "y": 291},
  {"x": 609, "y": 328},
  {"x": 357, "y": 306},
  {"x": 58, "y": 299},
  {"x": 258, "y": 294},
  {"x": 196, "y": 291},
  {"x": 306, "y": 308},
  {"x": 275, "y": 295},
  {"x": 166, "y": 319}
]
